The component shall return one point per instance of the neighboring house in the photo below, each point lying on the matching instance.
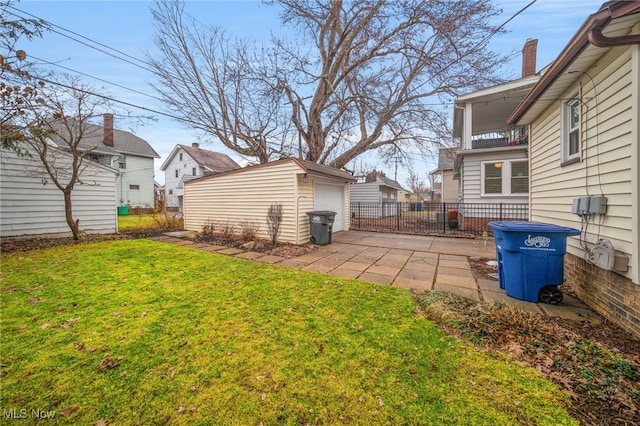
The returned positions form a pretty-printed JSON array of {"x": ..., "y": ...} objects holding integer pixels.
[
  {"x": 245, "y": 195},
  {"x": 131, "y": 155},
  {"x": 584, "y": 120},
  {"x": 492, "y": 164},
  {"x": 30, "y": 204},
  {"x": 377, "y": 196},
  {"x": 444, "y": 187},
  {"x": 188, "y": 162}
]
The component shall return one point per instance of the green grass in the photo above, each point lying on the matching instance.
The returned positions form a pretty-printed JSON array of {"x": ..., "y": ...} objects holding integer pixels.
[
  {"x": 138, "y": 221},
  {"x": 140, "y": 332}
]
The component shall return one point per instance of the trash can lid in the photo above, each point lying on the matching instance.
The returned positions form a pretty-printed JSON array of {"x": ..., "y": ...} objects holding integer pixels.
[
  {"x": 322, "y": 213},
  {"x": 518, "y": 226}
]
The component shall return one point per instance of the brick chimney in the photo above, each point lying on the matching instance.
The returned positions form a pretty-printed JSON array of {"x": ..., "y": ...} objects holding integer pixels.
[
  {"x": 195, "y": 145},
  {"x": 529, "y": 52},
  {"x": 108, "y": 129}
]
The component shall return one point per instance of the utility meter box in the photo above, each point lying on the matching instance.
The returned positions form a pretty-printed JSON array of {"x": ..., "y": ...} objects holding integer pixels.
[{"x": 604, "y": 256}]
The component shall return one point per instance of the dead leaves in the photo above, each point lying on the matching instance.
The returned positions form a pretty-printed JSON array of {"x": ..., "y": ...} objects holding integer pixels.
[{"x": 109, "y": 364}]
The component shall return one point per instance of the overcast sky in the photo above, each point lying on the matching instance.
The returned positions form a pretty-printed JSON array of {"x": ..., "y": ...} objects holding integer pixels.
[{"x": 127, "y": 27}]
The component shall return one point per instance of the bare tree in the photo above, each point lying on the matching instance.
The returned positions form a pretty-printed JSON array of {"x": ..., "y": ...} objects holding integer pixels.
[
  {"x": 360, "y": 76},
  {"x": 417, "y": 185},
  {"x": 54, "y": 129}
]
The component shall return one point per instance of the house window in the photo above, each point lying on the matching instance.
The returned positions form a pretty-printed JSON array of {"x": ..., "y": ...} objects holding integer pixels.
[
  {"x": 171, "y": 192},
  {"x": 519, "y": 177},
  {"x": 134, "y": 187},
  {"x": 180, "y": 156},
  {"x": 493, "y": 178},
  {"x": 507, "y": 177},
  {"x": 571, "y": 128},
  {"x": 122, "y": 165},
  {"x": 193, "y": 171},
  {"x": 177, "y": 172}
]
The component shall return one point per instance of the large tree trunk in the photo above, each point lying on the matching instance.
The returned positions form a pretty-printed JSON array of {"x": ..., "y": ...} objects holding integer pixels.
[{"x": 74, "y": 225}]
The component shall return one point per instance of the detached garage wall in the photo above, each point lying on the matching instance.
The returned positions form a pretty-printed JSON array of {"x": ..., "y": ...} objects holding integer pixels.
[
  {"x": 245, "y": 195},
  {"x": 30, "y": 204}
]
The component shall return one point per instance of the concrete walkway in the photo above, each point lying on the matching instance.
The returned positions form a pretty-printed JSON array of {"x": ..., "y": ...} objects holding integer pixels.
[{"x": 416, "y": 263}]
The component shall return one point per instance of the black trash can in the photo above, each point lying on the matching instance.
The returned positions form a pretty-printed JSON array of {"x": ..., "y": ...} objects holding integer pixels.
[{"x": 320, "y": 225}]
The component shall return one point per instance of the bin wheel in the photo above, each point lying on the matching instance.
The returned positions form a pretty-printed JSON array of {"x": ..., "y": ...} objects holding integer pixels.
[{"x": 550, "y": 294}]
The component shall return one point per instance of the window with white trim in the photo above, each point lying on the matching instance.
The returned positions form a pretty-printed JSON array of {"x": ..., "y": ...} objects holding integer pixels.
[
  {"x": 505, "y": 177},
  {"x": 571, "y": 128}
]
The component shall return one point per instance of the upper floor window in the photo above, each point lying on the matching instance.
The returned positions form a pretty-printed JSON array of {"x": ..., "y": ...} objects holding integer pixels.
[
  {"x": 571, "y": 128},
  {"x": 507, "y": 177},
  {"x": 193, "y": 171},
  {"x": 180, "y": 156},
  {"x": 177, "y": 172},
  {"x": 134, "y": 187}
]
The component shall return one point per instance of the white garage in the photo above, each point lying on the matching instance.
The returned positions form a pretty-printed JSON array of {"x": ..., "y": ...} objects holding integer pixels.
[{"x": 241, "y": 196}]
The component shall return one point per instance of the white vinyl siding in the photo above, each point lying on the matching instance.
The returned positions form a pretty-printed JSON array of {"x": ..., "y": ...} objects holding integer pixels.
[
  {"x": 139, "y": 172},
  {"x": 246, "y": 195},
  {"x": 30, "y": 204},
  {"x": 609, "y": 138}
]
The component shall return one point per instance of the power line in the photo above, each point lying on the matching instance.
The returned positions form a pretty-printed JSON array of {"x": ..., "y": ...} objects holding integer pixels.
[
  {"x": 95, "y": 78},
  {"x": 85, "y": 38}
]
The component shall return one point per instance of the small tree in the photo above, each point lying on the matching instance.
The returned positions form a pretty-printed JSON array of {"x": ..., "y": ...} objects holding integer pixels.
[
  {"x": 274, "y": 220},
  {"x": 60, "y": 118},
  {"x": 416, "y": 185}
]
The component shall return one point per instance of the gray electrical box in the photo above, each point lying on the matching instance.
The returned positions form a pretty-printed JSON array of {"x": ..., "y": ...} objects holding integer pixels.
[
  {"x": 580, "y": 206},
  {"x": 597, "y": 205}
]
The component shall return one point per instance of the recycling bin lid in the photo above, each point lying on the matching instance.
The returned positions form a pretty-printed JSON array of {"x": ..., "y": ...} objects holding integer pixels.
[
  {"x": 519, "y": 226},
  {"x": 321, "y": 213}
]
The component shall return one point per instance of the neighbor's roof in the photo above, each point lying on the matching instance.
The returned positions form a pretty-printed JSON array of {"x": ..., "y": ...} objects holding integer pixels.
[
  {"x": 308, "y": 167},
  {"x": 614, "y": 19},
  {"x": 93, "y": 139},
  {"x": 215, "y": 161}
]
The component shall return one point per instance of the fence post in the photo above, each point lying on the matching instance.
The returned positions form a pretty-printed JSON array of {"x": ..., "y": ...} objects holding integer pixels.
[
  {"x": 444, "y": 218},
  {"x": 500, "y": 211}
]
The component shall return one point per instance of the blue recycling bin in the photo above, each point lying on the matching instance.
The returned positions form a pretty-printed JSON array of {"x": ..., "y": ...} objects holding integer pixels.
[{"x": 531, "y": 259}]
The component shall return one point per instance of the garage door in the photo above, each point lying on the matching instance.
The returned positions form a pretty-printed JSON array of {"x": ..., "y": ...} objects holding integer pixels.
[{"x": 330, "y": 197}]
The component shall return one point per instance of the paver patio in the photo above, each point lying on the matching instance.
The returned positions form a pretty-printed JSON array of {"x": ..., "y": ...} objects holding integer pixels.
[{"x": 416, "y": 263}]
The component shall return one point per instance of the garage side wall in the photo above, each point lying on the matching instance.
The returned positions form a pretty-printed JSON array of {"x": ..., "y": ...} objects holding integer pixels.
[{"x": 245, "y": 197}]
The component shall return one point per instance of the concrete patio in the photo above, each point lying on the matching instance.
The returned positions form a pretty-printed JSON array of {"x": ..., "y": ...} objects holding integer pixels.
[{"x": 416, "y": 263}]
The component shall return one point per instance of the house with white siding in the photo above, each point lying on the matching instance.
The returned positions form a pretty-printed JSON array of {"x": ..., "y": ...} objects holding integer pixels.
[
  {"x": 491, "y": 163},
  {"x": 377, "y": 196},
  {"x": 584, "y": 154},
  {"x": 244, "y": 195},
  {"x": 131, "y": 155},
  {"x": 189, "y": 162},
  {"x": 30, "y": 204}
]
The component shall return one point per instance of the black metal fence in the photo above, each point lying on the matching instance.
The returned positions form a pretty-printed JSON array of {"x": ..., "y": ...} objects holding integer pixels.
[{"x": 455, "y": 219}]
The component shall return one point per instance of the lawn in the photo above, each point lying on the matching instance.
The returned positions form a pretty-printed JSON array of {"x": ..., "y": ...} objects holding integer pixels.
[
  {"x": 141, "y": 332},
  {"x": 137, "y": 221}
]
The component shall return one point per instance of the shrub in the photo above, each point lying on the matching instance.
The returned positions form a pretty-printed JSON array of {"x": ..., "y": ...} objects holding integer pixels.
[
  {"x": 168, "y": 221},
  {"x": 208, "y": 229},
  {"x": 248, "y": 230},
  {"x": 274, "y": 220},
  {"x": 226, "y": 231}
]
